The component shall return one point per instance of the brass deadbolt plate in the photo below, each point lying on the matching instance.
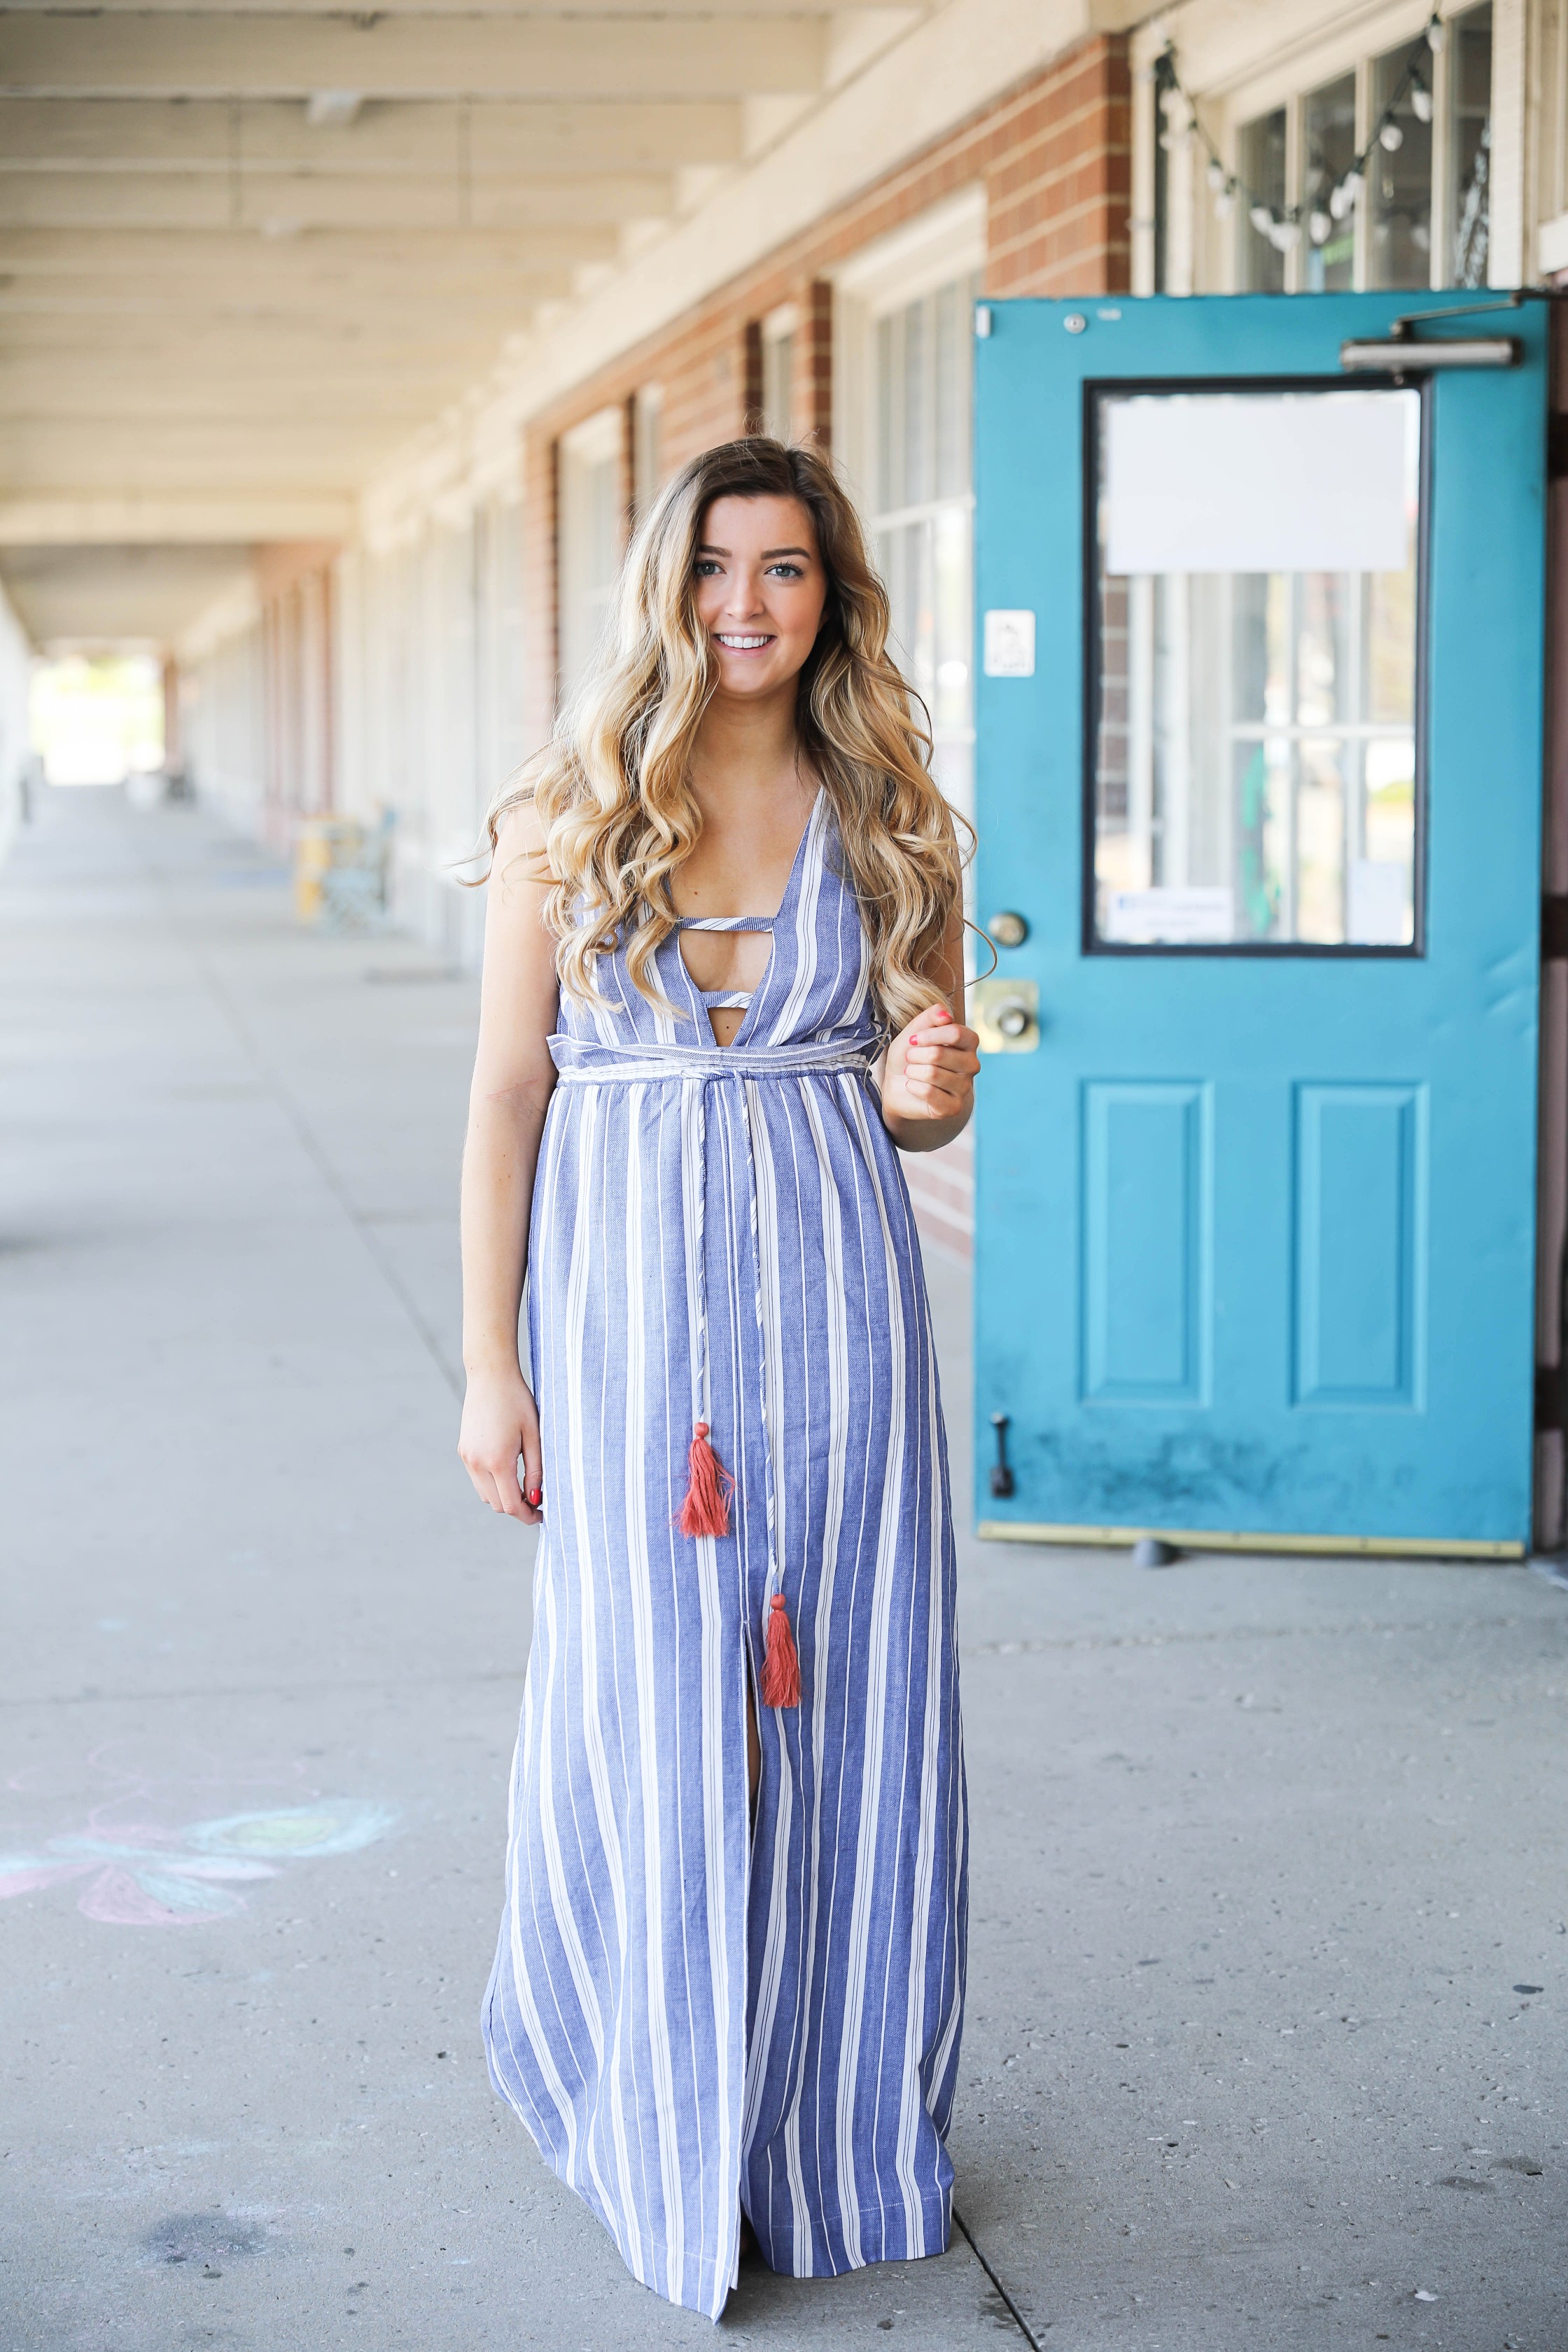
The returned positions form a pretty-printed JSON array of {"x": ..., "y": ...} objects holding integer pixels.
[{"x": 1006, "y": 1015}]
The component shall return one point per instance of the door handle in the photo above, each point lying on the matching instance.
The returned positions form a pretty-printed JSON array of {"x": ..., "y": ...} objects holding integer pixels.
[
  {"x": 1006, "y": 1014},
  {"x": 1001, "y": 1474}
]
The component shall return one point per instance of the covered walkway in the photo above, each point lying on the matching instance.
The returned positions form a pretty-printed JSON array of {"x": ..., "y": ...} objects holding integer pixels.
[{"x": 1269, "y": 1950}]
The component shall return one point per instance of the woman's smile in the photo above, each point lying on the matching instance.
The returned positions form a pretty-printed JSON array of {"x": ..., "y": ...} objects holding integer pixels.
[{"x": 736, "y": 644}]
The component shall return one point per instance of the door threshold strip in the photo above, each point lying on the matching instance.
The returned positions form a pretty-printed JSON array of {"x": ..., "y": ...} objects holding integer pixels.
[{"x": 1041, "y": 1531}]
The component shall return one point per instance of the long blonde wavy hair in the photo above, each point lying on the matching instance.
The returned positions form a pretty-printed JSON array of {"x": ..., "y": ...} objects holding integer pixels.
[{"x": 612, "y": 788}]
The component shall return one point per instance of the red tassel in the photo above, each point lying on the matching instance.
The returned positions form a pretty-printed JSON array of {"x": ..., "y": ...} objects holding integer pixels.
[
  {"x": 780, "y": 1661},
  {"x": 709, "y": 1486}
]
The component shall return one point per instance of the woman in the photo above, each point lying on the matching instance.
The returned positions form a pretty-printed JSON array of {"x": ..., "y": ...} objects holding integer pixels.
[{"x": 730, "y": 1966}]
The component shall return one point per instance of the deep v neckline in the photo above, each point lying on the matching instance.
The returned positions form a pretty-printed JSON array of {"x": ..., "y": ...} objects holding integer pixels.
[{"x": 771, "y": 923}]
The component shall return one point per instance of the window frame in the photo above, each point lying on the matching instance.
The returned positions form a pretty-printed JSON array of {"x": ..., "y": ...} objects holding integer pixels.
[
  {"x": 597, "y": 440},
  {"x": 937, "y": 249},
  {"x": 1090, "y": 942},
  {"x": 1233, "y": 88}
]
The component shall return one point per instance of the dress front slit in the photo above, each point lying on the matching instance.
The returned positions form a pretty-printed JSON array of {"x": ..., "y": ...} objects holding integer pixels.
[{"x": 690, "y": 2009}]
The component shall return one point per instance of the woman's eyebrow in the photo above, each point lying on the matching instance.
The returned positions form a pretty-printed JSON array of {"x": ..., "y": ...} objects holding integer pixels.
[{"x": 770, "y": 554}]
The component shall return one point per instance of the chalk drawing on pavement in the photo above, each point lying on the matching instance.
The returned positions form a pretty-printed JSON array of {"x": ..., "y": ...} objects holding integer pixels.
[{"x": 141, "y": 1875}]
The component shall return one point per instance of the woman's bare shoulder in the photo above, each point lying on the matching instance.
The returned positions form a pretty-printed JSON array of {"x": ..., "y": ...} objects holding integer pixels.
[{"x": 520, "y": 831}]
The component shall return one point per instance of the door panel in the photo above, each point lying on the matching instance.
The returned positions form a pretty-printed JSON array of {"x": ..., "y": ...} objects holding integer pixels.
[
  {"x": 1256, "y": 1217},
  {"x": 1145, "y": 1191},
  {"x": 1360, "y": 1252}
]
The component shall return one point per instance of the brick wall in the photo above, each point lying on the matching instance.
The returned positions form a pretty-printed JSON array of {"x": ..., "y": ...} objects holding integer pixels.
[{"x": 1054, "y": 155}]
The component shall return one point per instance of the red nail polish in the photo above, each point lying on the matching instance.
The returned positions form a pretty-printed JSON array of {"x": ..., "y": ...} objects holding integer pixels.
[{"x": 535, "y": 1496}]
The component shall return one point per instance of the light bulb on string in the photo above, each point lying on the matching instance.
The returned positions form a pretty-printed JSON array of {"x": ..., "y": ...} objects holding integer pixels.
[
  {"x": 1225, "y": 203},
  {"x": 1285, "y": 235},
  {"x": 1421, "y": 103},
  {"x": 1340, "y": 202},
  {"x": 1436, "y": 36},
  {"x": 1262, "y": 219},
  {"x": 1354, "y": 183},
  {"x": 1215, "y": 175},
  {"x": 1390, "y": 137},
  {"x": 1319, "y": 227}
]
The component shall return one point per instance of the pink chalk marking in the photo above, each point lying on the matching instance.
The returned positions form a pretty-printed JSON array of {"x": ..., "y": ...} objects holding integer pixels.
[
  {"x": 28, "y": 1881},
  {"x": 115, "y": 1900}
]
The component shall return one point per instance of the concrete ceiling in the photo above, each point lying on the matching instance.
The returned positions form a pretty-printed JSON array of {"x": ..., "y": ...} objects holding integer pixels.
[
  {"x": 88, "y": 597},
  {"x": 246, "y": 251}
]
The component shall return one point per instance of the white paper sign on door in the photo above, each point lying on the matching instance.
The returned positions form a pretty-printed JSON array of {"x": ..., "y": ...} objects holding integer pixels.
[
  {"x": 1009, "y": 645},
  {"x": 1291, "y": 481},
  {"x": 1177, "y": 915}
]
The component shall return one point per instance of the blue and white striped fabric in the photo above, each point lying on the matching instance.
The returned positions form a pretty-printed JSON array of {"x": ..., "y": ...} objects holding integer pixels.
[{"x": 689, "y": 2013}]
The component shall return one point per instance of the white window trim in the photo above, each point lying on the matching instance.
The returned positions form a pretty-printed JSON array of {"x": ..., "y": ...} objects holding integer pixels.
[
  {"x": 597, "y": 438},
  {"x": 1237, "y": 66},
  {"x": 947, "y": 242}
]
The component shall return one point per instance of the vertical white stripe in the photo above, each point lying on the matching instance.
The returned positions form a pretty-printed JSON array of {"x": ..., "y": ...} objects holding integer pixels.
[
  {"x": 874, "y": 1717},
  {"x": 837, "y": 1350},
  {"x": 584, "y": 1251},
  {"x": 769, "y": 1725},
  {"x": 639, "y": 1569},
  {"x": 911, "y": 2093}
]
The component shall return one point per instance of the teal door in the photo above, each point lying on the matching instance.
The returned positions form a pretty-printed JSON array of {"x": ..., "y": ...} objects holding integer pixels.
[{"x": 1259, "y": 770}]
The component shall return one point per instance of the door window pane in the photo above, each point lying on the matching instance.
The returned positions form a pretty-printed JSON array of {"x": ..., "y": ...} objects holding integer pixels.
[
  {"x": 1328, "y": 123},
  {"x": 1261, "y": 155},
  {"x": 1254, "y": 755},
  {"x": 1469, "y": 143},
  {"x": 1399, "y": 182}
]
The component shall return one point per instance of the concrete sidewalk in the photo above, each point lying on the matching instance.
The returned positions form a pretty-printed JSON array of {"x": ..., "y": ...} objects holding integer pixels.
[{"x": 1270, "y": 1926}]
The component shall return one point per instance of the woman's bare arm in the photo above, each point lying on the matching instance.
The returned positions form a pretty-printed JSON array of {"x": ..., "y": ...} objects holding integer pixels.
[
  {"x": 513, "y": 1079},
  {"x": 928, "y": 1078}
]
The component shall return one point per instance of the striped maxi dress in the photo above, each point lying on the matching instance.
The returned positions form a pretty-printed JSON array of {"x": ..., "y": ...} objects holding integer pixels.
[{"x": 691, "y": 2010}]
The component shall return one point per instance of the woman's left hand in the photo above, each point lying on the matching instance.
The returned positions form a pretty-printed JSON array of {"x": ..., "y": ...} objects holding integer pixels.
[{"x": 928, "y": 1076}]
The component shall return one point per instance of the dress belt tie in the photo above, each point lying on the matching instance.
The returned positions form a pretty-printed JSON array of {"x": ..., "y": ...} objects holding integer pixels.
[{"x": 582, "y": 1061}]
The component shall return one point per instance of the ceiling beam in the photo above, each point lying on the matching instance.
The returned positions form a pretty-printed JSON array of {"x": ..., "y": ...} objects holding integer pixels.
[
  {"x": 390, "y": 327},
  {"x": 36, "y": 387},
  {"x": 182, "y": 201},
  {"x": 222, "y": 514},
  {"x": 491, "y": 11},
  {"x": 207, "y": 54},
  {"x": 47, "y": 454},
  {"x": 243, "y": 257},
  {"x": 430, "y": 135}
]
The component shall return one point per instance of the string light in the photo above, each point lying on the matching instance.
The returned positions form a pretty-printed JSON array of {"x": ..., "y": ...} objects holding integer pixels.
[{"x": 1282, "y": 225}]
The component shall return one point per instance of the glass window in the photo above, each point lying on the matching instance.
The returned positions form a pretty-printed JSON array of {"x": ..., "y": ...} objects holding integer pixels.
[
  {"x": 1329, "y": 130},
  {"x": 1469, "y": 143},
  {"x": 1399, "y": 178},
  {"x": 1254, "y": 756},
  {"x": 1261, "y": 156},
  {"x": 778, "y": 386},
  {"x": 590, "y": 542},
  {"x": 921, "y": 521},
  {"x": 647, "y": 447}
]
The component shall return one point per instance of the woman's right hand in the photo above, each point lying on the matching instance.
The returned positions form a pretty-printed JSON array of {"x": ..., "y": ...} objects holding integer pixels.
[{"x": 500, "y": 1422}]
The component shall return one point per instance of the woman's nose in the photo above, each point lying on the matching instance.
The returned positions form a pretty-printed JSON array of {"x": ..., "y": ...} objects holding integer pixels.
[{"x": 745, "y": 596}]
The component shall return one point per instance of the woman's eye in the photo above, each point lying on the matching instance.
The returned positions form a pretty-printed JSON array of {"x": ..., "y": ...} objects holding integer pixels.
[
  {"x": 786, "y": 571},
  {"x": 705, "y": 567}
]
